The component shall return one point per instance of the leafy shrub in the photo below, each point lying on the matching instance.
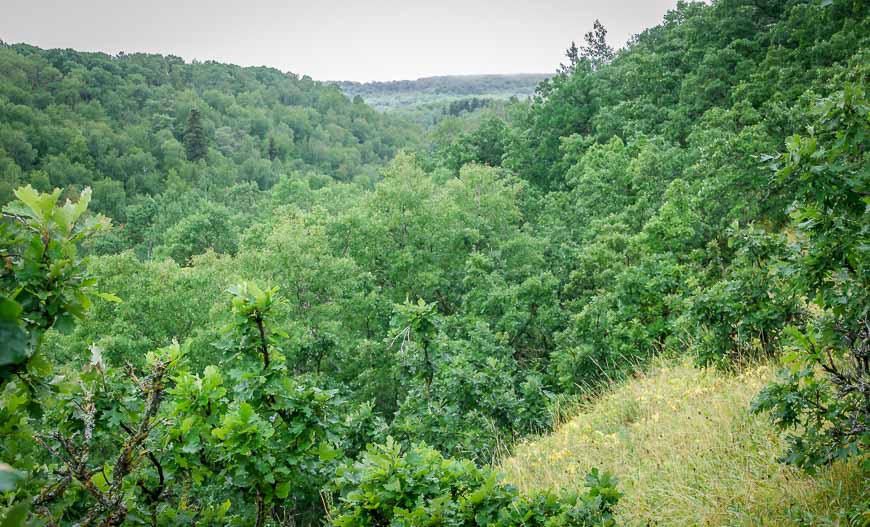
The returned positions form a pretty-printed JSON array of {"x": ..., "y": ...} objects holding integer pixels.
[
  {"x": 421, "y": 487},
  {"x": 823, "y": 395},
  {"x": 741, "y": 315},
  {"x": 269, "y": 437},
  {"x": 159, "y": 446}
]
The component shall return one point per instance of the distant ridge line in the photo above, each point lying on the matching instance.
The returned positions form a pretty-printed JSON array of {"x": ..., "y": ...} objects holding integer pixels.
[{"x": 464, "y": 76}]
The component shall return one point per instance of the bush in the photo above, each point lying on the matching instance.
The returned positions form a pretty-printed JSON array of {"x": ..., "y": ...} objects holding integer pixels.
[
  {"x": 741, "y": 315},
  {"x": 823, "y": 396},
  {"x": 420, "y": 487}
]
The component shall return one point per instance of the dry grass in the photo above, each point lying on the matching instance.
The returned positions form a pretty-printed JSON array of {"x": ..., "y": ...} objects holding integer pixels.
[{"x": 687, "y": 452}]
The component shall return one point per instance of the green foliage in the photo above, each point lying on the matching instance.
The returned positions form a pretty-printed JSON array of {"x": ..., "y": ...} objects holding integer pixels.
[
  {"x": 420, "y": 487},
  {"x": 44, "y": 282},
  {"x": 596, "y": 52},
  {"x": 98, "y": 433},
  {"x": 557, "y": 244},
  {"x": 484, "y": 146},
  {"x": 271, "y": 437},
  {"x": 45, "y": 285},
  {"x": 740, "y": 316},
  {"x": 43, "y": 273},
  {"x": 822, "y": 394},
  {"x": 143, "y": 128},
  {"x": 416, "y": 328}
]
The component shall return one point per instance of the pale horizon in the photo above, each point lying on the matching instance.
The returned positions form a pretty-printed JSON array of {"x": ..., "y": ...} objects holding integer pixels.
[{"x": 376, "y": 40}]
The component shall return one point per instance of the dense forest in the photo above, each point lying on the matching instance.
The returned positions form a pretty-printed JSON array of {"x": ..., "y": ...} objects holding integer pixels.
[
  {"x": 169, "y": 146},
  {"x": 235, "y": 296}
]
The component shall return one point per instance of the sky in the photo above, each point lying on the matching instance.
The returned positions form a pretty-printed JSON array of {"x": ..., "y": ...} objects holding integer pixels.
[{"x": 359, "y": 40}]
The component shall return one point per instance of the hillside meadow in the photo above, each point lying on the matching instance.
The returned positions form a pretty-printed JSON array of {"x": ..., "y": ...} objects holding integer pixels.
[{"x": 688, "y": 452}]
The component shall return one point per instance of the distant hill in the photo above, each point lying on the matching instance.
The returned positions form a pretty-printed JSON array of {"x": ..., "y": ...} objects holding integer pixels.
[
  {"x": 456, "y": 85},
  {"x": 122, "y": 124},
  {"x": 424, "y": 99}
]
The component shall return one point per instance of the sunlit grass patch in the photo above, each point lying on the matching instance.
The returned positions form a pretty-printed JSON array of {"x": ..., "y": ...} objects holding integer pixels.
[{"x": 687, "y": 453}]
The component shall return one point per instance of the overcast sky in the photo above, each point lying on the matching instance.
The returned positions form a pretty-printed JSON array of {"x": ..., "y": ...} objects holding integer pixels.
[{"x": 334, "y": 39}]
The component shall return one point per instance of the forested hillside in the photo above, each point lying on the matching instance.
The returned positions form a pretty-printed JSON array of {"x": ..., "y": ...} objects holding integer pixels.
[
  {"x": 306, "y": 312},
  {"x": 171, "y": 147},
  {"x": 382, "y": 95},
  {"x": 428, "y": 100}
]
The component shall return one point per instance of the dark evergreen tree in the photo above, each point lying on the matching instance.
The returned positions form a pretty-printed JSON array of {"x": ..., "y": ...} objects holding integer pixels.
[
  {"x": 273, "y": 150},
  {"x": 194, "y": 137}
]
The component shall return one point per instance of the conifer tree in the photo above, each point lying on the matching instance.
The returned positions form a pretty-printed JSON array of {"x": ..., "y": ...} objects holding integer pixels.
[
  {"x": 194, "y": 137},
  {"x": 273, "y": 150}
]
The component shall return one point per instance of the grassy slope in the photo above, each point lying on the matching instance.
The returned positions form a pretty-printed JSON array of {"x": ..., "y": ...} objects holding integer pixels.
[{"x": 687, "y": 452}]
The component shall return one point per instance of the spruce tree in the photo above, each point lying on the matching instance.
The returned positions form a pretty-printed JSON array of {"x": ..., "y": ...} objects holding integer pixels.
[
  {"x": 194, "y": 137},
  {"x": 273, "y": 150}
]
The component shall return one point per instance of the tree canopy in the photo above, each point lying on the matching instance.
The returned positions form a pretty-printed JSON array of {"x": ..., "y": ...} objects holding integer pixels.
[{"x": 308, "y": 312}]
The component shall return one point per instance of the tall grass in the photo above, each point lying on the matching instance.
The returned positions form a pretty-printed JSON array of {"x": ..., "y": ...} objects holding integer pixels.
[{"x": 687, "y": 453}]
